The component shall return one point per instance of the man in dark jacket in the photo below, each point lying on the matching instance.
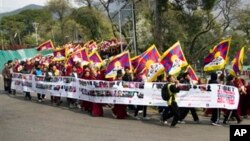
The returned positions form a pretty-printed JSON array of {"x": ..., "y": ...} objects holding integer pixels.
[
  {"x": 184, "y": 111},
  {"x": 172, "y": 104},
  {"x": 215, "y": 111},
  {"x": 25, "y": 70}
]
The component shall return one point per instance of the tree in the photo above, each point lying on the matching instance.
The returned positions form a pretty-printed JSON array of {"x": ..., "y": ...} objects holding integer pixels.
[
  {"x": 12, "y": 27},
  {"x": 19, "y": 26},
  {"x": 95, "y": 24},
  {"x": 61, "y": 8},
  {"x": 87, "y": 3}
]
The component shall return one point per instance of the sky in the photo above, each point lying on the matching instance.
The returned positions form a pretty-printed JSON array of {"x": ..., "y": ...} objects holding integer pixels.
[{"x": 10, "y": 5}]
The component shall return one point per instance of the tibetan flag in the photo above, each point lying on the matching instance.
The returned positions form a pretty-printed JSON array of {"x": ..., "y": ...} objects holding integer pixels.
[
  {"x": 45, "y": 46},
  {"x": 118, "y": 62},
  {"x": 173, "y": 59},
  {"x": 135, "y": 62},
  {"x": 95, "y": 58},
  {"x": 59, "y": 54},
  {"x": 91, "y": 45},
  {"x": 70, "y": 48},
  {"x": 149, "y": 64},
  {"x": 237, "y": 63},
  {"x": 80, "y": 56},
  {"x": 192, "y": 74},
  {"x": 217, "y": 58}
]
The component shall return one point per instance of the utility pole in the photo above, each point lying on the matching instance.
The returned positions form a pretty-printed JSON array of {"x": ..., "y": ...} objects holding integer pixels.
[
  {"x": 134, "y": 27},
  {"x": 127, "y": 11},
  {"x": 35, "y": 25},
  {"x": 53, "y": 36},
  {"x": 120, "y": 28}
]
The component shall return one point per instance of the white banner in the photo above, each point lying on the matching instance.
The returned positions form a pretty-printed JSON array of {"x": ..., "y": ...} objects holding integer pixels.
[{"x": 134, "y": 93}]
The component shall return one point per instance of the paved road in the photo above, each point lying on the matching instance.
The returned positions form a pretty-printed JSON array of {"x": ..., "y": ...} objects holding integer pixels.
[{"x": 22, "y": 120}]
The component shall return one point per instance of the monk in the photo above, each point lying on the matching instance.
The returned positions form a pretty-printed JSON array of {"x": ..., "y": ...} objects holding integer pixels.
[
  {"x": 87, "y": 105},
  {"x": 97, "y": 110},
  {"x": 119, "y": 110}
]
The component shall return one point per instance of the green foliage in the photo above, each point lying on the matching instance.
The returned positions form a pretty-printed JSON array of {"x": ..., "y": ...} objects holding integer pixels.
[
  {"x": 192, "y": 22},
  {"x": 30, "y": 40},
  {"x": 21, "y": 24},
  {"x": 95, "y": 24}
]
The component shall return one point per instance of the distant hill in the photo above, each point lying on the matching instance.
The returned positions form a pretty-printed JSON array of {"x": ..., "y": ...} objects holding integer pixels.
[{"x": 31, "y": 6}]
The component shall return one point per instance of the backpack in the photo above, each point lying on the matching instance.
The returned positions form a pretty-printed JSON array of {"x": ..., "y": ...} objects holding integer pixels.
[{"x": 165, "y": 92}]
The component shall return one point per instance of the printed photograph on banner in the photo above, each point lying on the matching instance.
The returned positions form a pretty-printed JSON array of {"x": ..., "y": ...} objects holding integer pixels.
[
  {"x": 101, "y": 84},
  {"x": 27, "y": 83},
  {"x": 135, "y": 93}
]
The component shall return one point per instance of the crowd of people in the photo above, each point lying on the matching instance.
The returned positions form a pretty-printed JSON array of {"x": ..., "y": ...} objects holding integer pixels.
[{"x": 56, "y": 68}]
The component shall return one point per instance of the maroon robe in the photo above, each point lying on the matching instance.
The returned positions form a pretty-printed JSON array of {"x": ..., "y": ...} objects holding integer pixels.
[
  {"x": 87, "y": 105},
  {"x": 248, "y": 98},
  {"x": 120, "y": 111},
  {"x": 97, "y": 109}
]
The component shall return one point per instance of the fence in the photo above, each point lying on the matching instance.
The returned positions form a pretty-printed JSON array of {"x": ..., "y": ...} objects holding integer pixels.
[{"x": 20, "y": 54}]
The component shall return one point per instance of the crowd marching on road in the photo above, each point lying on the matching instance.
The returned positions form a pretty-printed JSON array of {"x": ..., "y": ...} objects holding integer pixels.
[{"x": 87, "y": 72}]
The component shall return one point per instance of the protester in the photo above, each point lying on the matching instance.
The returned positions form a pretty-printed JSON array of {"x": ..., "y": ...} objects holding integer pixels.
[
  {"x": 119, "y": 110},
  {"x": 51, "y": 69},
  {"x": 38, "y": 73},
  {"x": 97, "y": 110},
  {"x": 87, "y": 105},
  {"x": 172, "y": 87},
  {"x": 25, "y": 70},
  {"x": 56, "y": 99},
  {"x": 243, "y": 103},
  {"x": 140, "y": 107},
  {"x": 184, "y": 111},
  {"x": 231, "y": 113},
  {"x": 5, "y": 73},
  {"x": 70, "y": 71},
  {"x": 215, "y": 119},
  {"x": 161, "y": 78},
  {"x": 248, "y": 98},
  {"x": 8, "y": 75}
]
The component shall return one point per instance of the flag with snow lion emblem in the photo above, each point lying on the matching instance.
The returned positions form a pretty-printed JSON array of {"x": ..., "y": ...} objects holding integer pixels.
[
  {"x": 118, "y": 62},
  {"x": 217, "y": 58},
  {"x": 173, "y": 59},
  {"x": 149, "y": 66}
]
